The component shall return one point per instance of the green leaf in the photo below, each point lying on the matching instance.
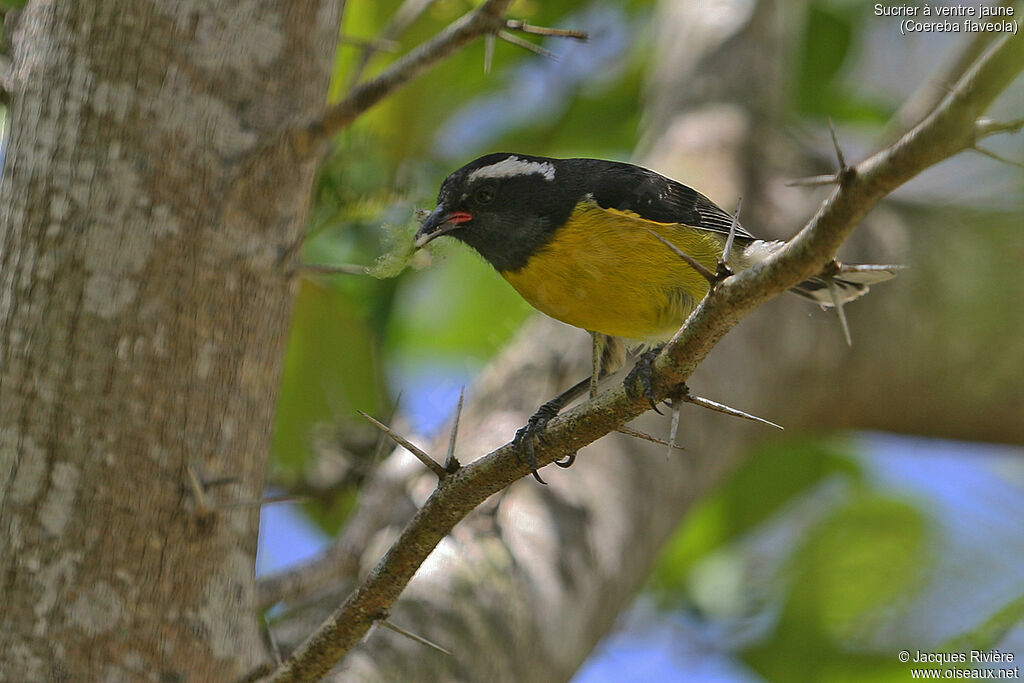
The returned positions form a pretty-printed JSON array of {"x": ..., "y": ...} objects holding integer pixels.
[
  {"x": 329, "y": 370},
  {"x": 770, "y": 478},
  {"x": 459, "y": 307},
  {"x": 826, "y": 42},
  {"x": 866, "y": 557},
  {"x": 831, "y": 37}
]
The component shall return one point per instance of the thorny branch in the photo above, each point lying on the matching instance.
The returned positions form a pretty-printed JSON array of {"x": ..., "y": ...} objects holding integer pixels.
[
  {"x": 403, "y": 18},
  {"x": 931, "y": 92},
  {"x": 488, "y": 19},
  {"x": 949, "y": 129}
]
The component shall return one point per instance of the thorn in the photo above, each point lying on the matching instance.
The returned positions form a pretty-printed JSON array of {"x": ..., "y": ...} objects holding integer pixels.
[
  {"x": 219, "y": 481},
  {"x": 829, "y": 179},
  {"x": 842, "y": 176},
  {"x": 674, "y": 431},
  {"x": 721, "y": 408},
  {"x": 868, "y": 268},
  {"x": 450, "y": 463},
  {"x": 840, "y": 157},
  {"x": 275, "y": 649},
  {"x": 986, "y": 127},
  {"x": 727, "y": 252},
  {"x": 526, "y": 45},
  {"x": 520, "y": 25},
  {"x": 488, "y": 52},
  {"x": 198, "y": 493},
  {"x": 992, "y": 155},
  {"x": 646, "y": 437},
  {"x": 692, "y": 262},
  {"x": 837, "y": 303},
  {"x": 370, "y": 44},
  {"x": 420, "y": 454},
  {"x": 378, "y": 448},
  {"x": 269, "y": 500},
  {"x": 412, "y": 636},
  {"x": 846, "y": 172},
  {"x": 334, "y": 269}
]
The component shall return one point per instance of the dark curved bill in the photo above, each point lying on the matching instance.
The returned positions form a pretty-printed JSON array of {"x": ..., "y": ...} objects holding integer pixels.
[{"x": 440, "y": 222}]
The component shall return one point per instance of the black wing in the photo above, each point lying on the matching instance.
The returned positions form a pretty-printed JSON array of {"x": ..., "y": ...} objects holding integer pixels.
[{"x": 653, "y": 196}]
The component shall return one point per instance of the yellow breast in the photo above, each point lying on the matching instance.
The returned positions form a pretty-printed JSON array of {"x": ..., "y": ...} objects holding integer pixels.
[{"x": 604, "y": 272}]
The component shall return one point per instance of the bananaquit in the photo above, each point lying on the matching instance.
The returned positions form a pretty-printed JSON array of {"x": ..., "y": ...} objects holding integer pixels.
[{"x": 574, "y": 238}]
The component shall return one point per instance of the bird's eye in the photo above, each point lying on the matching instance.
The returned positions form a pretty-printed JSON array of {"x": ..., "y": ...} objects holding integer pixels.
[{"x": 485, "y": 195}]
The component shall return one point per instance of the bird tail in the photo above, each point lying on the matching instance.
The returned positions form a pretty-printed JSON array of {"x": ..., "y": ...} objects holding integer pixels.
[{"x": 852, "y": 281}]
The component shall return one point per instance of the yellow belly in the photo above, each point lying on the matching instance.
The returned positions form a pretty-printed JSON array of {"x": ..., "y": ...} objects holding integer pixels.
[{"x": 604, "y": 272}]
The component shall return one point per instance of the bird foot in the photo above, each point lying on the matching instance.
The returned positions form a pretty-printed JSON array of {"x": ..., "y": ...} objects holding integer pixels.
[
  {"x": 639, "y": 378},
  {"x": 526, "y": 436}
]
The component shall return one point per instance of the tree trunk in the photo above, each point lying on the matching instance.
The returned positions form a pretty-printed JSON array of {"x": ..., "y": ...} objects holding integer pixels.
[{"x": 147, "y": 220}]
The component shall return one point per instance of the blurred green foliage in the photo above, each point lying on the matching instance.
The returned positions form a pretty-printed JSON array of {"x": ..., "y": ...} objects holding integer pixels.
[
  {"x": 830, "y": 44},
  {"x": 856, "y": 557},
  {"x": 350, "y": 331},
  {"x": 353, "y": 334},
  {"x": 779, "y": 472},
  {"x": 865, "y": 556},
  {"x": 801, "y": 560}
]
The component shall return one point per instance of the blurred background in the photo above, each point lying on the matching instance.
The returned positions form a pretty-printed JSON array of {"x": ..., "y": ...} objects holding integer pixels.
[{"x": 890, "y": 514}]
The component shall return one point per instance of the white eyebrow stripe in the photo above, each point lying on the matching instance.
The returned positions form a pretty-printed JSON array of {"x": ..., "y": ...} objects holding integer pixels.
[{"x": 514, "y": 166}]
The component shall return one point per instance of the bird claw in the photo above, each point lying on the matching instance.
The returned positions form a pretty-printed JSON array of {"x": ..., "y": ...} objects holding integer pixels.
[
  {"x": 641, "y": 374},
  {"x": 523, "y": 442},
  {"x": 534, "y": 428},
  {"x": 538, "y": 422},
  {"x": 567, "y": 462}
]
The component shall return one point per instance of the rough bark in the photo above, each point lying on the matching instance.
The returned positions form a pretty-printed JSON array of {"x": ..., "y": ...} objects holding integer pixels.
[
  {"x": 524, "y": 588},
  {"x": 147, "y": 221}
]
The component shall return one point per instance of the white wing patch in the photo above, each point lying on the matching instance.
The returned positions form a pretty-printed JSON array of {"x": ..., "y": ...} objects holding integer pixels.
[{"x": 514, "y": 166}]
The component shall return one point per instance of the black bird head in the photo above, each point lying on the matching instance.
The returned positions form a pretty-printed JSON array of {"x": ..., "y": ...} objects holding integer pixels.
[
  {"x": 507, "y": 206},
  {"x": 504, "y": 205}
]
